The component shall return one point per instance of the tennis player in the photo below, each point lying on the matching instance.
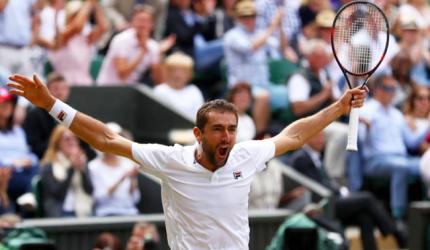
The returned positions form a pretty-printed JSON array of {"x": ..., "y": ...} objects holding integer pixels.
[{"x": 204, "y": 186}]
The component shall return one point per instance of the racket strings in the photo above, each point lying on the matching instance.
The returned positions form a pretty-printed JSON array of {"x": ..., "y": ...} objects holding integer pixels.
[{"x": 360, "y": 37}]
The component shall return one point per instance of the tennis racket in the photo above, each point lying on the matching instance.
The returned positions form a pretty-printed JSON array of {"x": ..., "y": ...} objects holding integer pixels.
[{"x": 359, "y": 40}]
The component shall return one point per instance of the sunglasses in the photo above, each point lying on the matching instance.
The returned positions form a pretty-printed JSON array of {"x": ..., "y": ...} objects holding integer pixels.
[{"x": 388, "y": 89}]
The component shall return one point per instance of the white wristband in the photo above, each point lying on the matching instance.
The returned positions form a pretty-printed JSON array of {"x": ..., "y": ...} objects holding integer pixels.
[{"x": 63, "y": 113}]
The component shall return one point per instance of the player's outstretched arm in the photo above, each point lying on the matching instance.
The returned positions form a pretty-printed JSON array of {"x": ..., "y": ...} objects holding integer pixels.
[
  {"x": 85, "y": 127},
  {"x": 299, "y": 132}
]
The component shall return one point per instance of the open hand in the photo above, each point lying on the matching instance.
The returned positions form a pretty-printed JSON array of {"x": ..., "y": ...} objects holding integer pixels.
[
  {"x": 167, "y": 43},
  {"x": 33, "y": 90}
]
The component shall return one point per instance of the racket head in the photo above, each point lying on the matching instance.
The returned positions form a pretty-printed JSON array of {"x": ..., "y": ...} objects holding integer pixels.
[{"x": 359, "y": 37}]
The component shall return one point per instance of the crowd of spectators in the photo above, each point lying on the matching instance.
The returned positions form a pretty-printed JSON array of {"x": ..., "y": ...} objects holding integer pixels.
[{"x": 176, "y": 47}]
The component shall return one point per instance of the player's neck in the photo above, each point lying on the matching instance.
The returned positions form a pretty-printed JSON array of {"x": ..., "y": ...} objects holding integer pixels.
[{"x": 200, "y": 158}]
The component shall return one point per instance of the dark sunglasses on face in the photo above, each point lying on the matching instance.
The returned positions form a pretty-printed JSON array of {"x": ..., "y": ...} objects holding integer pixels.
[{"x": 388, "y": 89}]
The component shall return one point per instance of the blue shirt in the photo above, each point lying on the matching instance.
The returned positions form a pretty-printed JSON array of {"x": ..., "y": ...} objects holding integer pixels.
[
  {"x": 290, "y": 21},
  {"x": 388, "y": 132},
  {"x": 244, "y": 64},
  {"x": 13, "y": 146},
  {"x": 15, "y": 23}
]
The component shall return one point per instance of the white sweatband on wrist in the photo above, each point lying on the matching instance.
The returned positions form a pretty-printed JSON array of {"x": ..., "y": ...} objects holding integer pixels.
[{"x": 63, "y": 113}]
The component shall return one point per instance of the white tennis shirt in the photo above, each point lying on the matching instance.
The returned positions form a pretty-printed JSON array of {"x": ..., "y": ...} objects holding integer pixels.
[{"x": 204, "y": 209}]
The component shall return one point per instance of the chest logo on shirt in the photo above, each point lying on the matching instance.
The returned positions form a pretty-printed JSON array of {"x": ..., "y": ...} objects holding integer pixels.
[{"x": 237, "y": 174}]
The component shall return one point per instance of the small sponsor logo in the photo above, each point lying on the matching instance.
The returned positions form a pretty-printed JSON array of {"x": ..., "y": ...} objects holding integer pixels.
[
  {"x": 62, "y": 116},
  {"x": 237, "y": 174}
]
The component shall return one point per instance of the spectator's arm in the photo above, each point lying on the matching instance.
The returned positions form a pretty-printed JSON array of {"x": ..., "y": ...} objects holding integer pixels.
[
  {"x": 5, "y": 174},
  {"x": 262, "y": 39},
  {"x": 101, "y": 25},
  {"x": 57, "y": 189},
  {"x": 302, "y": 107},
  {"x": 134, "y": 190},
  {"x": 78, "y": 22},
  {"x": 412, "y": 140},
  {"x": 3, "y": 4},
  {"x": 118, "y": 20},
  {"x": 157, "y": 73},
  {"x": 86, "y": 181},
  {"x": 125, "y": 67},
  {"x": 112, "y": 189}
]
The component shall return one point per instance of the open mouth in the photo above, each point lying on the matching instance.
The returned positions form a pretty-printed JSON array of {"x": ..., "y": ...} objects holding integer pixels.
[{"x": 223, "y": 151}]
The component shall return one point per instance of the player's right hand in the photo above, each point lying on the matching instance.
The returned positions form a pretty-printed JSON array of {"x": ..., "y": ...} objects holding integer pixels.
[{"x": 33, "y": 90}]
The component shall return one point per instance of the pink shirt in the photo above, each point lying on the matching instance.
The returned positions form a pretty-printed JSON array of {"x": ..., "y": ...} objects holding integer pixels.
[
  {"x": 126, "y": 45},
  {"x": 73, "y": 60}
]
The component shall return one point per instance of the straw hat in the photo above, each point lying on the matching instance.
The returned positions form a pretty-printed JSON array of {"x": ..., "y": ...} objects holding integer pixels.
[
  {"x": 245, "y": 8},
  {"x": 325, "y": 18}
]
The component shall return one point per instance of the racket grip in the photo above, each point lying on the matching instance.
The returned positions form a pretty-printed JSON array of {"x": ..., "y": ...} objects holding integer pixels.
[{"x": 352, "y": 130}]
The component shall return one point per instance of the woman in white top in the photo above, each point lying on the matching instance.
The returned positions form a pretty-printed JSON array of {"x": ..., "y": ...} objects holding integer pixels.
[{"x": 115, "y": 183}]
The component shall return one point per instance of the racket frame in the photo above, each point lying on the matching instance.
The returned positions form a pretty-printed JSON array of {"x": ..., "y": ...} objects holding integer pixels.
[{"x": 354, "y": 116}]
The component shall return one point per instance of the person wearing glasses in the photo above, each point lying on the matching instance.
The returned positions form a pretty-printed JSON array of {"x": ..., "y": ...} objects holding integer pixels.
[{"x": 386, "y": 139}]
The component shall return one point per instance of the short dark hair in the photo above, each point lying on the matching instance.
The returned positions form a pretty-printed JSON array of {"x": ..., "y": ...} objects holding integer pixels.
[
  {"x": 54, "y": 77},
  {"x": 219, "y": 105}
]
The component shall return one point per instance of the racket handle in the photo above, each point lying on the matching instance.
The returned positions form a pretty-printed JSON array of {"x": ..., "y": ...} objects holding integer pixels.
[{"x": 352, "y": 130}]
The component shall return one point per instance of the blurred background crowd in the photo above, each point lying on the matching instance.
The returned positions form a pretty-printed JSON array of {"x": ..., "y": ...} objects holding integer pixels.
[{"x": 271, "y": 58}]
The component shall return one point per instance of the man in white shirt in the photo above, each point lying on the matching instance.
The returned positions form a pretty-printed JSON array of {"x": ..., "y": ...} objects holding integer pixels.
[
  {"x": 204, "y": 186},
  {"x": 132, "y": 52}
]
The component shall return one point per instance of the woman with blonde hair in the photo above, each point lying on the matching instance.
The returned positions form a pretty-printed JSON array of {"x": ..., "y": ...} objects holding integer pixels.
[{"x": 66, "y": 184}]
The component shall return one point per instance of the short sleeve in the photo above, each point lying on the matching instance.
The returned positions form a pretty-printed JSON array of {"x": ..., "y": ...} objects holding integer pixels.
[
  {"x": 151, "y": 157},
  {"x": 261, "y": 152},
  {"x": 116, "y": 48}
]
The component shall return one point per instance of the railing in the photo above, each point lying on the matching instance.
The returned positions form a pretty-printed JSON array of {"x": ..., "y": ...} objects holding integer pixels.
[{"x": 80, "y": 234}]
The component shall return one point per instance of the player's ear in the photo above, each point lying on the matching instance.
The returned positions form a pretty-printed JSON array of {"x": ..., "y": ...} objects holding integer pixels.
[{"x": 197, "y": 134}]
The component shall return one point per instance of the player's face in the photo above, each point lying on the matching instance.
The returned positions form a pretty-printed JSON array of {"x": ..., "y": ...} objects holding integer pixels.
[{"x": 218, "y": 137}]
